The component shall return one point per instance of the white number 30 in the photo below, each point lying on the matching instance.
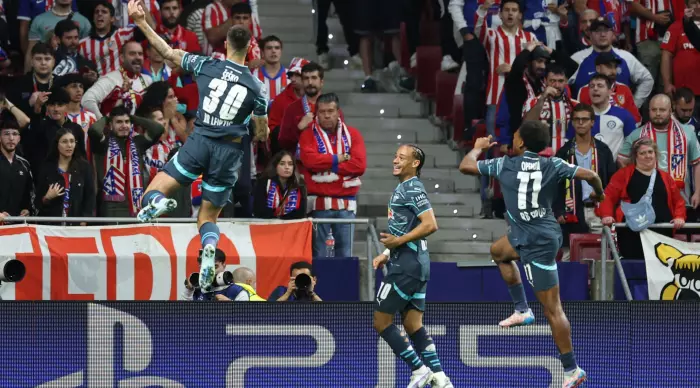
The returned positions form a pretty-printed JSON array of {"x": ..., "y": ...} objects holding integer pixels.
[{"x": 234, "y": 99}]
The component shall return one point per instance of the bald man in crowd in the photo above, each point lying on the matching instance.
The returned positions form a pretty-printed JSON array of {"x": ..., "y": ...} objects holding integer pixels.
[{"x": 679, "y": 152}]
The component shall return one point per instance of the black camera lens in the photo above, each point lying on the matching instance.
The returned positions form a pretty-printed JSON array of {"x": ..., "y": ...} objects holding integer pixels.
[
  {"x": 223, "y": 279},
  {"x": 194, "y": 279},
  {"x": 302, "y": 281}
]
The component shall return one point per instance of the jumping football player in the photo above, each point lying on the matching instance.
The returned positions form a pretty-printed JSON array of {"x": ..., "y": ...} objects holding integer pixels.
[
  {"x": 229, "y": 97},
  {"x": 529, "y": 184},
  {"x": 411, "y": 220}
]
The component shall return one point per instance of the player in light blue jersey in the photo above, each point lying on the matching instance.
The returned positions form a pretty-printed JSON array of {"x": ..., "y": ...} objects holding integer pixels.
[
  {"x": 530, "y": 184},
  {"x": 411, "y": 220},
  {"x": 230, "y": 97}
]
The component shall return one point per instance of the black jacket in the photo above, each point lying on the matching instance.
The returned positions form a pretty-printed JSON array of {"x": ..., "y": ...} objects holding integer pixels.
[
  {"x": 82, "y": 190},
  {"x": 516, "y": 91},
  {"x": 38, "y": 137},
  {"x": 606, "y": 169},
  {"x": 21, "y": 89},
  {"x": 17, "y": 188},
  {"x": 261, "y": 210}
]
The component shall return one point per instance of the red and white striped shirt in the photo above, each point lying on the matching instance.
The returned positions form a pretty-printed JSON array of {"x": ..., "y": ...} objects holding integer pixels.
[
  {"x": 501, "y": 48},
  {"x": 84, "y": 118},
  {"x": 330, "y": 203},
  {"x": 275, "y": 84},
  {"x": 215, "y": 14},
  {"x": 556, "y": 115},
  {"x": 122, "y": 12},
  {"x": 104, "y": 52},
  {"x": 645, "y": 28}
]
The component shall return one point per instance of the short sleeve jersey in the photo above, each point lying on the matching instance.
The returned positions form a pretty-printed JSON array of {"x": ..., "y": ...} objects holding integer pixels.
[
  {"x": 409, "y": 201},
  {"x": 228, "y": 96},
  {"x": 529, "y": 184}
]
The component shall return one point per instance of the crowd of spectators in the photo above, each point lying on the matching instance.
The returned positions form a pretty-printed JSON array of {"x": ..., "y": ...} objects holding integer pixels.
[{"x": 90, "y": 112}]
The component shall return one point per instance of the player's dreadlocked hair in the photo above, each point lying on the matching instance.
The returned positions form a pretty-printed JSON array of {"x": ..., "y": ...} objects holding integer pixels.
[{"x": 418, "y": 155}]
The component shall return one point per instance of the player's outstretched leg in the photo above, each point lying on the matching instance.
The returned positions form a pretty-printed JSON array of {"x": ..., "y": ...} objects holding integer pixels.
[
  {"x": 413, "y": 323},
  {"x": 154, "y": 202},
  {"x": 542, "y": 273},
  {"x": 504, "y": 255},
  {"x": 209, "y": 234},
  {"x": 399, "y": 344},
  {"x": 574, "y": 376}
]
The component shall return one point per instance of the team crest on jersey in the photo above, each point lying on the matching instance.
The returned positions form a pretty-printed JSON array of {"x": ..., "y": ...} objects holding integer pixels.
[
  {"x": 611, "y": 124},
  {"x": 620, "y": 99}
]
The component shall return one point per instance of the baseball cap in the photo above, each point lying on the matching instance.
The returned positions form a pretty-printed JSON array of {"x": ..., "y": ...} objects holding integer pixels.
[
  {"x": 600, "y": 22},
  {"x": 607, "y": 58},
  {"x": 296, "y": 65}
]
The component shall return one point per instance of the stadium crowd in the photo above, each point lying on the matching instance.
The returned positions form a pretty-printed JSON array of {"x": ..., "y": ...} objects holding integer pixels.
[{"x": 89, "y": 112}]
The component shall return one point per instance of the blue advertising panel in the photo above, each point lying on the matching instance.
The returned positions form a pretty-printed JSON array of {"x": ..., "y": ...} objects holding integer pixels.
[{"x": 228, "y": 344}]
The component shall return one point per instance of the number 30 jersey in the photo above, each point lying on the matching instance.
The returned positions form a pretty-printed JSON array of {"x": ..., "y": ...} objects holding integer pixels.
[
  {"x": 228, "y": 96},
  {"x": 529, "y": 184}
]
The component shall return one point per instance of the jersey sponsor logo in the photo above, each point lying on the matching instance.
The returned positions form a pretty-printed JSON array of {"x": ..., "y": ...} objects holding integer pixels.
[
  {"x": 620, "y": 99},
  {"x": 688, "y": 46},
  {"x": 536, "y": 213}
]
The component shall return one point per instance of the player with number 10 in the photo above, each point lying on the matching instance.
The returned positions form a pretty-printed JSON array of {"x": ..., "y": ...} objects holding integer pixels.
[
  {"x": 411, "y": 220},
  {"x": 530, "y": 184},
  {"x": 229, "y": 97}
]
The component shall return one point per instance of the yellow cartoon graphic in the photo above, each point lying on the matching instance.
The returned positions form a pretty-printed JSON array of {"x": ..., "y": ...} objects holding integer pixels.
[{"x": 686, "y": 273}]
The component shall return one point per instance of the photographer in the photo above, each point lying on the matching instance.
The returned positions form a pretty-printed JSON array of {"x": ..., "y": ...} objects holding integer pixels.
[
  {"x": 301, "y": 285},
  {"x": 238, "y": 286}
]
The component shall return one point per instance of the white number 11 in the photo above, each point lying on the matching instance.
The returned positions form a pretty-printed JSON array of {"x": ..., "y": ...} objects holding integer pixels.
[{"x": 524, "y": 178}]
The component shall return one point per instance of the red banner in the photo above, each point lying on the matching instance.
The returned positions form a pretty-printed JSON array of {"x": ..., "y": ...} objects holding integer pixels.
[{"x": 142, "y": 262}]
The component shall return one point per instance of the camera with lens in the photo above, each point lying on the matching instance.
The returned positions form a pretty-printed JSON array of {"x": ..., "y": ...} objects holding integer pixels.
[
  {"x": 11, "y": 270},
  {"x": 302, "y": 282},
  {"x": 222, "y": 279}
]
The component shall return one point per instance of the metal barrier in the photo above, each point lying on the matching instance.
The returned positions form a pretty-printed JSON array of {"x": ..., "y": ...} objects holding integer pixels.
[
  {"x": 374, "y": 248},
  {"x": 608, "y": 241}
]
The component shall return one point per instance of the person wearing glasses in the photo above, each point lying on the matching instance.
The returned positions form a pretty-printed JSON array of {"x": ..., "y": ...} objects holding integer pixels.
[{"x": 573, "y": 208}]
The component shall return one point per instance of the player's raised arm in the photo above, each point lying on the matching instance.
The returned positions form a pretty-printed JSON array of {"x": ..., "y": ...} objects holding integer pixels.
[
  {"x": 138, "y": 15},
  {"x": 469, "y": 165},
  {"x": 593, "y": 179}
]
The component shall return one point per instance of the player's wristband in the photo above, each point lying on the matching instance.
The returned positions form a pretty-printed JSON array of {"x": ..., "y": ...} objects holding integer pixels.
[{"x": 386, "y": 252}]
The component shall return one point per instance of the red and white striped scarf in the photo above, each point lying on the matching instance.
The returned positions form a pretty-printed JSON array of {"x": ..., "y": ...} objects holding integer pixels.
[
  {"x": 123, "y": 179},
  {"x": 677, "y": 148},
  {"x": 570, "y": 201},
  {"x": 556, "y": 115}
]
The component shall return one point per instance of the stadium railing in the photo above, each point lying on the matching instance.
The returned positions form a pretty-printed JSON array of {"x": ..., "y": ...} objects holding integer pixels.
[
  {"x": 608, "y": 245},
  {"x": 374, "y": 248}
]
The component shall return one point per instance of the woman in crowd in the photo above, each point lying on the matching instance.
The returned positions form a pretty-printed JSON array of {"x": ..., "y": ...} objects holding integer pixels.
[
  {"x": 279, "y": 193},
  {"x": 630, "y": 184},
  {"x": 161, "y": 96},
  {"x": 65, "y": 185}
]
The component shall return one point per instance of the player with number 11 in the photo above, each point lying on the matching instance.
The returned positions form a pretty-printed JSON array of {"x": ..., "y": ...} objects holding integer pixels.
[
  {"x": 230, "y": 97},
  {"x": 530, "y": 184}
]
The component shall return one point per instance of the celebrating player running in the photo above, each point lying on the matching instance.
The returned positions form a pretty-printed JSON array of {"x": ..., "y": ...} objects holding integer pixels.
[
  {"x": 229, "y": 95},
  {"x": 529, "y": 184},
  {"x": 411, "y": 220}
]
